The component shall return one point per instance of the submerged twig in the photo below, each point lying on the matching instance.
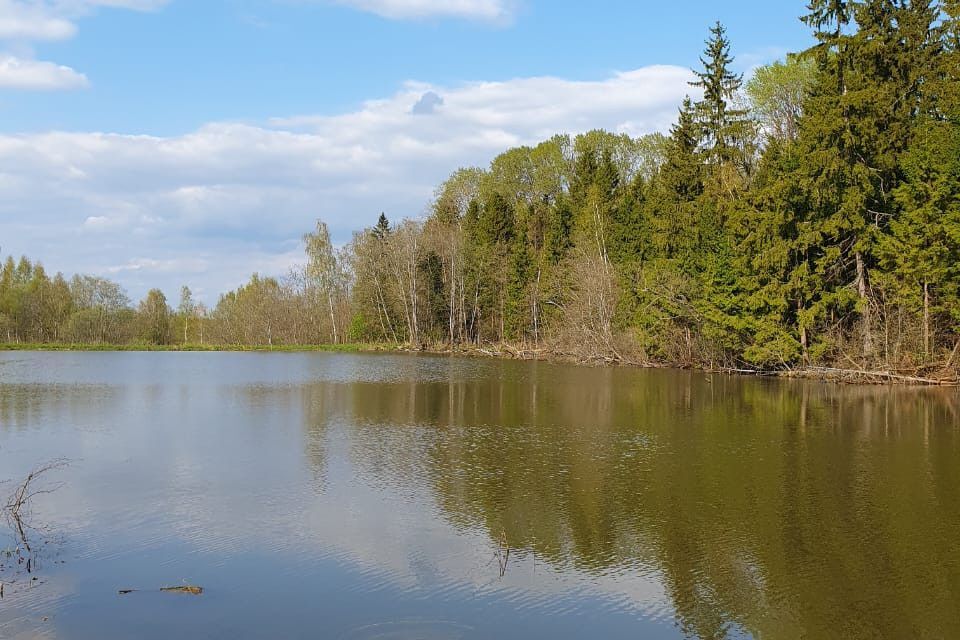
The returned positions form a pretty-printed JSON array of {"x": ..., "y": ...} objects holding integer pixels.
[
  {"x": 503, "y": 553},
  {"x": 17, "y": 507},
  {"x": 17, "y": 512}
]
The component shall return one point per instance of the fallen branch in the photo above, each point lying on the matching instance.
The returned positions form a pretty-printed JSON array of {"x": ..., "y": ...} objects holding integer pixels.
[
  {"x": 17, "y": 508},
  {"x": 860, "y": 374},
  {"x": 187, "y": 589}
]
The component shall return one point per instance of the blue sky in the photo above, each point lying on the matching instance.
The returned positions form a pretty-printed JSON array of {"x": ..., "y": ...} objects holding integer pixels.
[{"x": 193, "y": 141}]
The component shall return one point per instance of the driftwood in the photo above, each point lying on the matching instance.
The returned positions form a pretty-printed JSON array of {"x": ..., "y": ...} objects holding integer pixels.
[
  {"x": 190, "y": 589},
  {"x": 862, "y": 375},
  {"x": 187, "y": 589}
]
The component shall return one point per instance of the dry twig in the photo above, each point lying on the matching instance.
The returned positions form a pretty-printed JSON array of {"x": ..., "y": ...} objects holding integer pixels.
[{"x": 17, "y": 507}]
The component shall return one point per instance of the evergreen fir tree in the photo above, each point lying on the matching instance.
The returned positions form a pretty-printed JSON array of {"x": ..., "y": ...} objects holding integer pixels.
[
  {"x": 922, "y": 250},
  {"x": 670, "y": 206},
  {"x": 724, "y": 129},
  {"x": 382, "y": 229}
]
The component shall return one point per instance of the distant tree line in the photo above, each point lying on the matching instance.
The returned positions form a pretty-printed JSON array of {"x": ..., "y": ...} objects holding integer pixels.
[
  {"x": 88, "y": 310},
  {"x": 809, "y": 215}
]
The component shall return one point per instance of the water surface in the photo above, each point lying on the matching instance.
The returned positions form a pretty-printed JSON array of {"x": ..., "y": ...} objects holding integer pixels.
[{"x": 374, "y": 496}]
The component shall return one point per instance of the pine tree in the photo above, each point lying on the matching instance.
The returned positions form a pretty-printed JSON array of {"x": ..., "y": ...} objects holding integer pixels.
[
  {"x": 559, "y": 230},
  {"x": 593, "y": 191},
  {"x": 496, "y": 223},
  {"x": 777, "y": 284},
  {"x": 517, "y": 312},
  {"x": 724, "y": 129},
  {"x": 922, "y": 250},
  {"x": 382, "y": 229},
  {"x": 680, "y": 182},
  {"x": 629, "y": 233}
]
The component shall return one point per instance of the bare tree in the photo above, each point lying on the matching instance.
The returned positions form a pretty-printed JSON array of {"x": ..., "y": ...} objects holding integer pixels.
[{"x": 324, "y": 269}]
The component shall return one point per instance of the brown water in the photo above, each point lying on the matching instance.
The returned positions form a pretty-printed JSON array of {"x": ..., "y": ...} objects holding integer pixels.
[{"x": 358, "y": 496}]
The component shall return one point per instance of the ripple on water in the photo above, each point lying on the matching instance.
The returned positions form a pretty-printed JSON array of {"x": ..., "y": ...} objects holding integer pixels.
[{"x": 409, "y": 630}]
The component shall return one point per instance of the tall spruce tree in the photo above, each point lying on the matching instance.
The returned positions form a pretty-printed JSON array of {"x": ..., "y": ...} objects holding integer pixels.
[
  {"x": 382, "y": 229},
  {"x": 922, "y": 250},
  {"x": 724, "y": 128},
  {"x": 839, "y": 142},
  {"x": 676, "y": 188}
]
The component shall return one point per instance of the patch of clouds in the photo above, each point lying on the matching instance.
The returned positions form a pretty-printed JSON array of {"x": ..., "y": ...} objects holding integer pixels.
[
  {"x": 174, "y": 265},
  {"x": 236, "y": 198},
  {"x": 427, "y": 103},
  {"x": 97, "y": 222},
  {"x": 493, "y": 11},
  {"x": 32, "y": 21},
  {"x": 24, "y": 22},
  {"x": 35, "y": 75}
]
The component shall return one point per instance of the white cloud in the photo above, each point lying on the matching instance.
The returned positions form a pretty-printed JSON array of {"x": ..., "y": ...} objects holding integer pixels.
[
  {"x": 17, "y": 73},
  {"x": 237, "y": 197},
  {"x": 483, "y": 10},
  {"x": 175, "y": 265},
  {"x": 27, "y": 21}
]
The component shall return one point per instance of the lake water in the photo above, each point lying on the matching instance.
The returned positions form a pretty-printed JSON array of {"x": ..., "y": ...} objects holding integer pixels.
[{"x": 375, "y": 496}]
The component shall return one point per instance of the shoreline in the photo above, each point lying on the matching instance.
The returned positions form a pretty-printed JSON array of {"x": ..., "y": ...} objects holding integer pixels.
[
  {"x": 199, "y": 348},
  {"x": 875, "y": 377}
]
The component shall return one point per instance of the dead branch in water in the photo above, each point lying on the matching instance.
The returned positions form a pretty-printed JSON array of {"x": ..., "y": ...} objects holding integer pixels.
[
  {"x": 188, "y": 589},
  {"x": 17, "y": 507},
  {"x": 503, "y": 553}
]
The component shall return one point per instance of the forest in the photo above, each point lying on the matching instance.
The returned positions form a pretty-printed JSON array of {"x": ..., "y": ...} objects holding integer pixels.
[{"x": 808, "y": 215}]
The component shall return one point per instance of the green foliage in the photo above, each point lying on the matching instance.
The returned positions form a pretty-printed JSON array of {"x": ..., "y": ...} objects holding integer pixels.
[
  {"x": 517, "y": 300},
  {"x": 155, "y": 318},
  {"x": 777, "y": 93},
  {"x": 922, "y": 248},
  {"x": 360, "y": 329},
  {"x": 496, "y": 225}
]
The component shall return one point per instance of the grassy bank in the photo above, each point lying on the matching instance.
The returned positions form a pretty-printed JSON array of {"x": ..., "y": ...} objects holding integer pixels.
[{"x": 341, "y": 348}]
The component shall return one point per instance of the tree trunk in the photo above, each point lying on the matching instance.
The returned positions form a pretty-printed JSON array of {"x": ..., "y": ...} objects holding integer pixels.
[
  {"x": 926, "y": 319},
  {"x": 804, "y": 340},
  {"x": 863, "y": 289},
  {"x": 452, "y": 306},
  {"x": 536, "y": 312},
  {"x": 333, "y": 319},
  {"x": 382, "y": 307}
]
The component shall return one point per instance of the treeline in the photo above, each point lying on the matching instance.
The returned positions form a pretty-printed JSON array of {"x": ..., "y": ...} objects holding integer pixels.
[
  {"x": 304, "y": 307},
  {"x": 37, "y": 308},
  {"x": 89, "y": 310},
  {"x": 810, "y": 215}
]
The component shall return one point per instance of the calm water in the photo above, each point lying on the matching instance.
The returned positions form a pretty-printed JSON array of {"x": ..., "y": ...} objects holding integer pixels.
[{"x": 356, "y": 496}]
